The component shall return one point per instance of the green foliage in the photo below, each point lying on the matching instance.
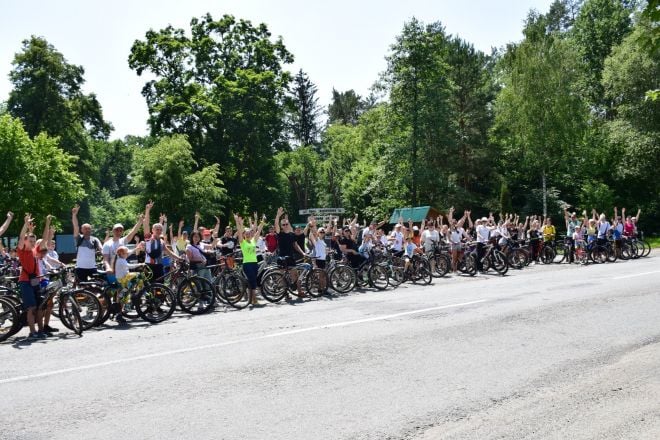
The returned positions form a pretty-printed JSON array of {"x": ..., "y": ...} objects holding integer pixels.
[
  {"x": 300, "y": 170},
  {"x": 303, "y": 122},
  {"x": 224, "y": 87},
  {"x": 599, "y": 26},
  {"x": 419, "y": 87},
  {"x": 345, "y": 108},
  {"x": 165, "y": 174},
  {"x": 596, "y": 195},
  {"x": 47, "y": 97},
  {"x": 540, "y": 120},
  {"x": 38, "y": 176}
]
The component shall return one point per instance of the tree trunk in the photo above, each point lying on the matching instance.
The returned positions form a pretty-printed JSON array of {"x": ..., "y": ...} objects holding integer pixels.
[{"x": 545, "y": 195}]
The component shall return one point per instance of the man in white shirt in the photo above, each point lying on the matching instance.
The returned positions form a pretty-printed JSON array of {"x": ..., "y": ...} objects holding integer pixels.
[
  {"x": 110, "y": 247},
  {"x": 483, "y": 234},
  {"x": 396, "y": 239},
  {"x": 430, "y": 236},
  {"x": 86, "y": 247}
]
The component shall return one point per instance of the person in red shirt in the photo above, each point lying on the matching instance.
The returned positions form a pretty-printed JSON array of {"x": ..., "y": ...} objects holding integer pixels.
[
  {"x": 271, "y": 240},
  {"x": 29, "y": 278}
]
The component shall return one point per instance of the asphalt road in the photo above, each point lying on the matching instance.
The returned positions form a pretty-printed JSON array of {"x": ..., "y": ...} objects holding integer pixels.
[{"x": 549, "y": 352}]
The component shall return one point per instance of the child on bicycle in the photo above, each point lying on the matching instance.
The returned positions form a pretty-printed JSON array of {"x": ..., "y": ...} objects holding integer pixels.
[{"x": 122, "y": 267}]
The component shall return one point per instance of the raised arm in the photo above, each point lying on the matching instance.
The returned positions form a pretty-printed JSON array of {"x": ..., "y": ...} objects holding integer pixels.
[
  {"x": 74, "y": 221},
  {"x": 178, "y": 233},
  {"x": 461, "y": 221},
  {"x": 145, "y": 220},
  {"x": 45, "y": 236},
  {"x": 239, "y": 227},
  {"x": 136, "y": 228},
  {"x": 24, "y": 231},
  {"x": 280, "y": 211},
  {"x": 639, "y": 211},
  {"x": 216, "y": 228},
  {"x": 196, "y": 224},
  {"x": 5, "y": 225},
  {"x": 469, "y": 219}
]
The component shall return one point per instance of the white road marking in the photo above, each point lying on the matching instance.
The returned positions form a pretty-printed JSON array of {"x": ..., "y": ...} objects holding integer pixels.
[
  {"x": 239, "y": 341},
  {"x": 636, "y": 275}
]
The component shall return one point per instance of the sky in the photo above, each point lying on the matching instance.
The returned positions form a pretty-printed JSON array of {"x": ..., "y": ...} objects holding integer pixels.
[{"x": 341, "y": 44}]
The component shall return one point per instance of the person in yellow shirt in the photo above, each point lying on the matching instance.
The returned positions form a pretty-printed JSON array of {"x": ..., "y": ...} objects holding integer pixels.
[{"x": 549, "y": 232}]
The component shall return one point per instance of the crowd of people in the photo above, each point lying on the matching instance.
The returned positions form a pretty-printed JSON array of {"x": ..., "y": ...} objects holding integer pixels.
[{"x": 159, "y": 245}]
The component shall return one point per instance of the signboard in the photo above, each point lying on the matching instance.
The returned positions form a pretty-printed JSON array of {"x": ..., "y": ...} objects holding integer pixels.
[{"x": 321, "y": 211}]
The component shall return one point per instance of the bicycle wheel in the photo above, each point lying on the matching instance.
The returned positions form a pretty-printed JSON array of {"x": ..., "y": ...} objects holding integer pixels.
[
  {"x": 422, "y": 273},
  {"x": 499, "y": 262},
  {"x": 518, "y": 258},
  {"x": 273, "y": 285},
  {"x": 598, "y": 254},
  {"x": 561, "y": 252},
  {"x": 611, "y": 254},
  {"x": 468, "y": 265},
  {"x": 316, "y": 283},
  {"x": 343, "y": 278},
  {"x": 235, "y": 291},
  {"x": 9, "y": 319},
  {"x": 378, "y": 277},
  {"x": 547, "y": 255},
  {"x": 88, "y": 307},
  {"x": 441, "y": 265},
  {"x": 195, "y": 295},
  {"x": 647, "y": 248},
  {"x": 155, "y": 303},
  {"x": 70, "y": 314},
  {"x": 396, "y": 275}
]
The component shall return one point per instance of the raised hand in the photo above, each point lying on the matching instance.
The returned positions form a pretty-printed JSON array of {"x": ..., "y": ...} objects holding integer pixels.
[
  {"x": 74, "y": 210},
  {"x": 196, "y": 215},
  {"x": 10, "y": 215},
  {"x": 181, "y": 222},
  {"x": 280, "y": 211},
  {"x": 149, "y": 205}
]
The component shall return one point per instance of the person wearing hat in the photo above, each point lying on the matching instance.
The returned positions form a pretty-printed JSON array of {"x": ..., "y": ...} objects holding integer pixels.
[
  {"x": 396, "y": 240},
  {"x": 87, "y": 247},
  {"x": 155, "y": 248},
  {"x": 572, "y": 222},
  {"x": 118, "y": 239},
  {"x": 317, "y": 239},
  {"x": 287, "y": 247},
  {"x": 483, "y": 230}
]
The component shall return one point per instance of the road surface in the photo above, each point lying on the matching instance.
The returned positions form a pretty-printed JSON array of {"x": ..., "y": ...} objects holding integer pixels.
[{"x": 548, "y": 352}]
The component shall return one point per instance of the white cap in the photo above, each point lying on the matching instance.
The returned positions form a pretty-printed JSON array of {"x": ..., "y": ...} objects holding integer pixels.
[{"x": 117, "y": 226}]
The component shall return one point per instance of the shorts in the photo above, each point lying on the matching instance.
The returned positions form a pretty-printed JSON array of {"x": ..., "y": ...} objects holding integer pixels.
[
  {"x": 84, "y": 274},
  {"x": 30, "y": 295},
  {"x": 127, "y": 279},
  {"x": 320, "y": 263},
  {"x": 455, "y": 246},
  {"x": 287, "y": 261}
]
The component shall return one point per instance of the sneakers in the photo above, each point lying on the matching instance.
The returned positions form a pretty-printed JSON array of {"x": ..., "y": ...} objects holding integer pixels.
[
  {"x": 49, "y": 329},
  {"x": 120, "y": 319},
  {"x": 36, "y": 335}
]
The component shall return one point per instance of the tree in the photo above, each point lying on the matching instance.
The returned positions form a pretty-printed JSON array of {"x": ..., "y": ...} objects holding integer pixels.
[
  {"x": 599, "y": 26},
  {"x": 345, "y": 108},
  {"x": 47, "y": 97},
  {"x": 300, "y": 170},
  {"x": 633, "y": 135},
  {"x": 470, "y": 118},
  {"x": 224, "y": 87},
  {"x": 38, "y": 177},
  {"x": 305, "y": 111},
  {"x": 165, "y": 174},
  {"x": 539, "y": 117},
  {"x": 419, "y": 87}
]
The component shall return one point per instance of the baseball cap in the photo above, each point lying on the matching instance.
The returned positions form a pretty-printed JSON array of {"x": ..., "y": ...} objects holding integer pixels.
[{"x": 118, "y": 226}]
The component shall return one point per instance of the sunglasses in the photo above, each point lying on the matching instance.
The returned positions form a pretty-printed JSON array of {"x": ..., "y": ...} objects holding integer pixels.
[{"x": 285, "y": 224}]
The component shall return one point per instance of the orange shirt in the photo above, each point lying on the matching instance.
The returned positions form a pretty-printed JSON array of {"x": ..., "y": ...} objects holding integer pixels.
[{"x": 29, "y": 264}]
